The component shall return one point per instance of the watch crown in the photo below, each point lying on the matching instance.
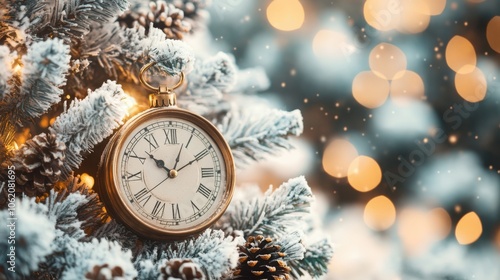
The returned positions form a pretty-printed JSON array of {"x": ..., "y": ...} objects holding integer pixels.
[{"x": 162, "y": 99}]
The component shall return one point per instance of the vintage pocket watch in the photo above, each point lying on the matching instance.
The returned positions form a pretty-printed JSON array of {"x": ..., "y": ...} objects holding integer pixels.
[{"x": 167, "y": 173}]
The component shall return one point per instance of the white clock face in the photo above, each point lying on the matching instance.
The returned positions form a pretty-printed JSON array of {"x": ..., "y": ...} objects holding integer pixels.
[{"x": 171, "y": 174}]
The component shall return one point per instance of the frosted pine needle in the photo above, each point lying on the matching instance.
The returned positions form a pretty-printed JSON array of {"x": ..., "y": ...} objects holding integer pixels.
[{"x": 87, "y": 122}]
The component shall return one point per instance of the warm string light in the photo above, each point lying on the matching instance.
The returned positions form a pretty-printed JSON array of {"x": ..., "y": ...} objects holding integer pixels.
[
  {"x": 406, "y": 16},
  {"x": 388, "y": 77},
  {"x": 364, "y": 174},
  {"x": 87, "y": 180},
  {"x": 492, "y": 31},
  {"x": 469, "y": 229},
  {"x": 419, "y": 229},
  {"x": 380, "y": 213},
  {"x": 337, "y": 157},
  {"x": 286, "y": 15},
  {"x": 470, "y": 81}
]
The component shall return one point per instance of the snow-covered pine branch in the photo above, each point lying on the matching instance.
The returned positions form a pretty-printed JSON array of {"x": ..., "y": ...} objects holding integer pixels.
[
  {"x": 252, "y": 133},
  {"x": 6, "y": 59},
  {"x": 212, "y": 250},
  {"x": 172, "y": 56},
  {"x": 45, "y": 66},
  {"x": 315, "y": 261},
  {"x": 70, "y": 18},
  {"x": 218, "y": 71},
  {"x": 89, "y": 121},
  {"x": 34, "y": 235},
  {"x": 207, "y": 83},
  {"x": 273, "y": 214},
  {"x": 13, "y": 22},
  {"x": 98, "y": 259}
]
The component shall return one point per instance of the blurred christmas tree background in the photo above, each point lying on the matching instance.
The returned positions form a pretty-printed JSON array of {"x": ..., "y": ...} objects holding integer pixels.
[{"x": 401, "y": 125}]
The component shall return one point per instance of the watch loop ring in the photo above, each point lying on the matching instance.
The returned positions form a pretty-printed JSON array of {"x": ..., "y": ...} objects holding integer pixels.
[{"x": 159, "y": 88}]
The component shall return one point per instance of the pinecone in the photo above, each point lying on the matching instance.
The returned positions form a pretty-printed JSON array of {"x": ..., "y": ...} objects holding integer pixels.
[
  {"x": 192, "y": 8},
  {"x": 260, "y": 258},
  {"x": 181, "y": 269},
  {"x": 104, "y": 272},
  {"x": 162, "y": 15},
  {"x": 37, "y": 164}
]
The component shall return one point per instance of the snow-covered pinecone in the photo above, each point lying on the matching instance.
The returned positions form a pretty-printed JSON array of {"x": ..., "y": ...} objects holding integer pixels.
[
  {"x": 260, "y": 258},
  {"x": 164, "y": 16},
  {"x": 37, "y": 165},
  {"x": 192, "y": 8},
  {"x": 181, "y": 269},
  {"x": 104, "y": 272}
]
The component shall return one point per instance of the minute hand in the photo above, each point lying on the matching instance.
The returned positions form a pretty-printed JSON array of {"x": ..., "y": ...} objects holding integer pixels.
[{"x": 189, "y": 163}]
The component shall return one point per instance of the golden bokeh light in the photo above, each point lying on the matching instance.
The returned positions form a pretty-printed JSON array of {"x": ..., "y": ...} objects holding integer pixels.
[
  {"x": 497, "y": 239},
  {"x": 461, "y": 55},
  {"x": 382, "y": 14},
  {"x": 409, "y": 86},
  {"x": 471, "y": 86},
  {"x": 364, "y": 174},
  {"x": 286, "y": 15},
  {"x": 44, "y": 121},
  {"x": 87, "y": 180},
  {"x": 435, "y": 7},
  {"x": 413, "y": 230},
  {"x": 337, "y": 157},
  {"x": 419, "y": 229},
  {"x": 492, "y": 33},
  {"x": 415, "y": 16},
  {"x": 469, "y": 229},
  {"x": 379, "y": 213},
  {"x": 370, "y": 90},
  {"x": 441, "y": 222},
  {"x": 387, "y": 61}
]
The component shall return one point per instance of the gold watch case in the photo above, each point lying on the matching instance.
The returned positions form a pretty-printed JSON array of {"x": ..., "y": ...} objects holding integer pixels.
[{"x": 108, "y": 183}]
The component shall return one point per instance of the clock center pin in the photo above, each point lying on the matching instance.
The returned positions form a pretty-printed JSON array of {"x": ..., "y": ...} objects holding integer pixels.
[{"x": 172, "y": 173}]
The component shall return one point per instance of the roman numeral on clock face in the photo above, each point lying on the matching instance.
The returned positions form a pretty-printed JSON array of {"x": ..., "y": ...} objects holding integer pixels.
[
  {"x": 204, "y": 190},
  {"x": 158, "y": 209},
  {"x": 170, "y": 136},
  {"x": 152, "y": 142},
  {"x": 207, "y": 172},
  {"x": 201, "y": 155},
  {"x": 142, "y": 196},
  {"x": 175, "y": 212},
  {"x": 135, "y": 176},
  {"x": 195, "y": 208},
  {"x": 134, "y": 155}
]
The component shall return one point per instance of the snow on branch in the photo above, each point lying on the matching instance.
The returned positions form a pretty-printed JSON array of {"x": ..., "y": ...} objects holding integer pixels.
[
  {"x": 207, "y": 82},
  {"x": 254, "y": 132},
  {"x": 98, "y": 259},
  {"x": 315, "y": 261},
  {"x": 218, "y": 71},
  {"x": 273, "y": 214},
  {"x": 72, "y": 18},
  {"x": 34, "y": 235},
  {"x": 45, "y": 67},
  {"x": 6, "y": 59},
  {"x": 13, "y": 22},
  {"x": 173, "y": 56},
  {"x": 89, "y": 121},
  {"x": 211, "y": 250}
]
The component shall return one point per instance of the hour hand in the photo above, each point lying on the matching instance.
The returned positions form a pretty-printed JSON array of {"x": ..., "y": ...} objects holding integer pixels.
[{"x": 160, "y": 163}]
